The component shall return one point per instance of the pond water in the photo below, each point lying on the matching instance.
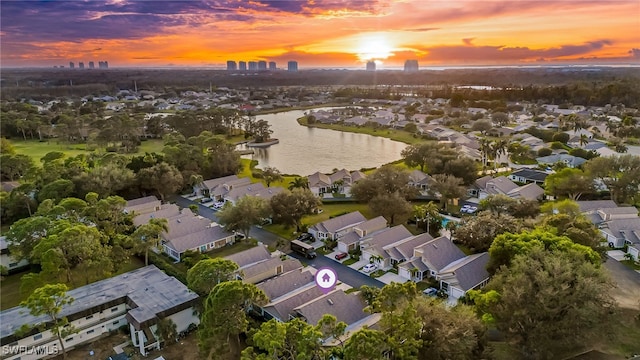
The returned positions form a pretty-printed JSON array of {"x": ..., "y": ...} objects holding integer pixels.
[{"x": 303, "y": 150}]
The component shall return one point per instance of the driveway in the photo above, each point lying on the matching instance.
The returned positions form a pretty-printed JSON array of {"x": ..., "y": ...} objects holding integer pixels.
[
  {"x": 618, "y": 255},
  {"x": 390, "y": 277},
  {"x": 347, "y": 275},
  {"x": 627, "y": 284}
]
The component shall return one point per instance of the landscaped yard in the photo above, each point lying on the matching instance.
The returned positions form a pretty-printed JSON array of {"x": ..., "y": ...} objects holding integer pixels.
[
  {"x": 393, "y": 134},
  {"x": 329, "y": 210},
  {"x": 232, "y": 249},
  {"x": 36, "y": 149}
]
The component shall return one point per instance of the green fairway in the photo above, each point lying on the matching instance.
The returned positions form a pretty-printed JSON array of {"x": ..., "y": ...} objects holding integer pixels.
[{"x": 36, "y": 149}]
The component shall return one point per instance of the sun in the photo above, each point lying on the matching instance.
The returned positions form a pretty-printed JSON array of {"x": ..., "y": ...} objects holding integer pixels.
[{"x": 374, "y": 47}]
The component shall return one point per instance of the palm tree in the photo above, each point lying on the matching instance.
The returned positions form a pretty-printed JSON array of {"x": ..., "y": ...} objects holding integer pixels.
[
  {"x": 148, "y": 236},
  {"x": 485, "y": 149},
  {"x": 426, "y": 213},
  {"x": 498, "y": 147},
  {"x": 584, "y": 139},
  {"x": 299, "y": 182}
]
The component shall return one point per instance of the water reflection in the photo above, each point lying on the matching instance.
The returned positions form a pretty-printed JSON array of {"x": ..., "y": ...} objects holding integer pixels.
[{"x": 304, "y": 150}]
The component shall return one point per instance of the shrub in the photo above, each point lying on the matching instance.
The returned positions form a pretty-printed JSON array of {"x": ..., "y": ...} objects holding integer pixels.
[
  {"x": 545, "y": 152},
  {"x": 561, "y": 137}
]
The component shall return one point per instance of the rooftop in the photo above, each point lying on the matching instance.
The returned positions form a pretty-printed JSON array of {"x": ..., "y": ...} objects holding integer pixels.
[{"x": 148, "y": 290}]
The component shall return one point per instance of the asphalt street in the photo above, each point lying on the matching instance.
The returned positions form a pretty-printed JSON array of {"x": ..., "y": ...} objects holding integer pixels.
[{"x": 346, "y": 274}]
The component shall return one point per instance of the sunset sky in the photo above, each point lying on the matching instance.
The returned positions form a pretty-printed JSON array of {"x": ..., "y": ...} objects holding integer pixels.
[{"x": 319, "y": 33}]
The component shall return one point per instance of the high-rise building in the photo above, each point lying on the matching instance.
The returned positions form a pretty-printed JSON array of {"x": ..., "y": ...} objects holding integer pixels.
[
  {"x": 411, "y": 66},
  {"x": 292, "y": 66},
  {"x": 253, "y": 66},
  {"x": 80, "y": 65},
  {"x": 272, "y": 66},
  {"x": 242, "y": 66},
  {"x": 262, "y": 65},
  {"x": 71, "y": 65},
  {"x": 371, "y": 65},
  {"x": 91, "y": 65},
  {"x": 231, "y": 65},
  {"x": 103, "y": 64}
]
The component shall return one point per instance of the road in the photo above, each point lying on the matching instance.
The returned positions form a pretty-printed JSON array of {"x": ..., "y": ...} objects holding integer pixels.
[
  {"x": 627, "y": 290},
  {"x": 345, "y": 274}
]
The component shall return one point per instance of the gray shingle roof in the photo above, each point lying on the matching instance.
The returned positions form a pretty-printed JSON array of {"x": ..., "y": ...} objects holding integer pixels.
[
  {"x": 166, "y": 211},
  {"x": 282, "y": 309},
  {"x": 622, "y": 228},
  {"x": 345, "y": 307},
  {"x": 404, "y": 249},
  {"x": 285, "y": 283},
  {"x": 250, "y": 256},
  {"x": 595, "y": 205},
  {"x": 196, "y": 239},
  {"x": 270, "y": 265},
  {"x": 531, "y": 174},
  {"x": 469, "y": 271},
  {"x": 341, "y": 222},
  {"x": 148, "y": 290},
  {"x": 440, "y": 252}
]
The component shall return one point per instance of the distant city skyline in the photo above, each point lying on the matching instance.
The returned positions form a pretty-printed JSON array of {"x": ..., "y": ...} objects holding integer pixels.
[{"x": 321, "y": 34}]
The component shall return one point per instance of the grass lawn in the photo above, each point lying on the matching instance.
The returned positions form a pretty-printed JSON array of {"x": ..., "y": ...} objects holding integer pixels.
[
  {"x": 36, "y": 149},
  {"x": 349, "y": 261},
  {"x": 631, "y": 264}
]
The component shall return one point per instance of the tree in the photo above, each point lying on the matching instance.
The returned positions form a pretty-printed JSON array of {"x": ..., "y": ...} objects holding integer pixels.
[
  {"x": 621, "y": 175},
  {"x": 25, "y": 234},
  {"x": 147, "y": 236},
  {"x": 427, "y": 213},
  {"x": 299, "y": 182},
  {"x": 506, "y": 246},
  {"x": 292, "y": 340},
  {"x": 163, "y": 178},
  {"x": 482, "y": 125},
  {"x": 569, "y": 182},
  {"x": 15, "y": 166},
  {"x": 56, "y": 190},
  {"x": 366, "y": 344},
  {"x": 271, "y": 174},
  {"x": 546, "y": 302},
  {"x": 288, "y": 207},
  {"x": 166, "y": 329},
  {"x": 497, "y": 204},
  {"x": 388, "y": 179},
  {"x": 500, "y": 118},
  {"x": 49, "y": 300},
  {"x": 447, "y": 187},
  {"x": 208, "y": 273},
  {"x": 225, "y": 317},
  {"x": 478, "y": 232},
  {"x": 393, "y": 207},
  {"x": 247, "y": 212}
]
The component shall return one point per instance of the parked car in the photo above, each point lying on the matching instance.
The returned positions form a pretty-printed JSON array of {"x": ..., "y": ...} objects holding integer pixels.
[
  {"x": 218, "y": 205},
  {"x": 341, "y": 256},
  {"x": 206, "y": 201},
  {"x": 465, "y": 208},
  {"x": 430, "y": 291},
  {"x": 472, "y": 209},
  {"x": 370, "y": 268},
  {"x": 306, "y": 237}
]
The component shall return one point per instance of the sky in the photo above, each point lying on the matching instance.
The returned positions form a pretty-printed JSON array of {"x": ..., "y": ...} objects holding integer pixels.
[{"x": 319, "y": 33}]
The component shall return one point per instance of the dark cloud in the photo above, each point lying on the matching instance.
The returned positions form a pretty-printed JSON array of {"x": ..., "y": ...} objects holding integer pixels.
[
  {"x": 311, "y": 7},
  {"x": 635, "y": 53},
  {"x": 472, "y": 53},
  {"x": 424, "y": 29},
  {"x": 467, "y": 41}
]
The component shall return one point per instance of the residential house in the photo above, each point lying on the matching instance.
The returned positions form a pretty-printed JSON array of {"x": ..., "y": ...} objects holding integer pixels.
[
  {"x": 351, "y": 240},
  {"x": 218, "y": 187},
  {"x": 569, "y": 160},
  {"x": 528, "y": 176},
  {"x": 282, "y": 308},
  {"x": 250, "y": 256},
  {"x": 419, "y": 180},
  {"x": 210, "y": 238},
  {"x": 340, "y": 182},
  {"x": 335, "y": 228},
  {"x": 429, "y": 259},
  {"x": 268, "y": 268},
  {"x": 347, "y": 308},
  {"x": 138, "y": 299},
  {"x": 464, "y": 274},
  {"x": 252, "y": 189},
  {"x": 373, "y": 247},
  {"x": 166, "y": 211},
  {"x": 9, "y": 262},
  {"x": 622, "y": 232},
  {"x": 487, "y": 185},
  {"x": 287, "y": 282},
  {"x": 142, "y": 205}
]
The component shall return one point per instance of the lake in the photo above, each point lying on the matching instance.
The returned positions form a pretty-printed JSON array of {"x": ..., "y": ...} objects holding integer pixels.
[{"x": 303, "y": 150}]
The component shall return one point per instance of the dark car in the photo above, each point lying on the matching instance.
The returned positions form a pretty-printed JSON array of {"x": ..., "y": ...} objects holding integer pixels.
[
  {"x": 306, "y": 237},
  {"x": 341, "y": 256}
]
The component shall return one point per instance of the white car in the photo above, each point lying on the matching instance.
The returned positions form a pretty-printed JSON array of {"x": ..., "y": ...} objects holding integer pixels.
[
  {"x": 370, "y": 268},
  {"x": 465, "y": 208},
  {"x": 218, "y": 205},
  {"x": 472, "y": 209}
]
